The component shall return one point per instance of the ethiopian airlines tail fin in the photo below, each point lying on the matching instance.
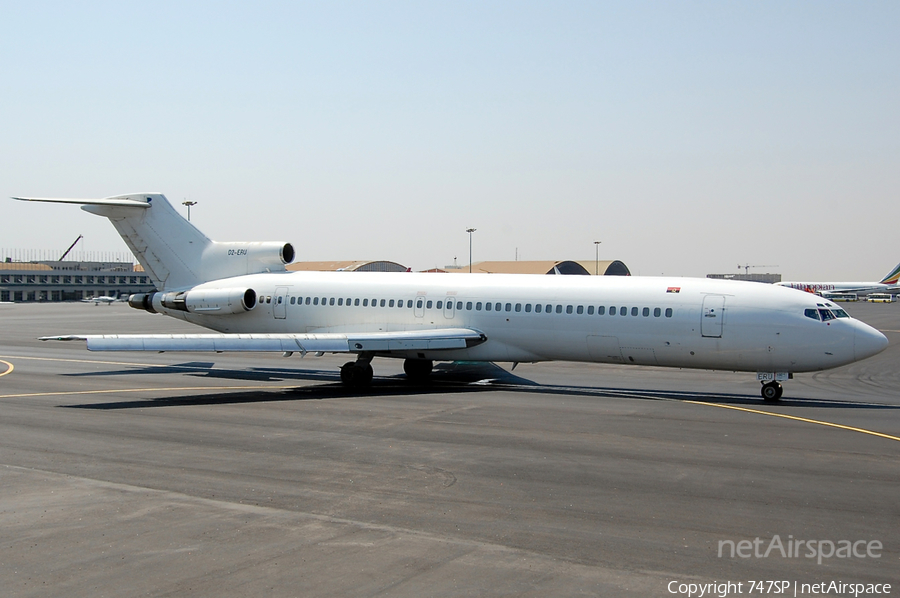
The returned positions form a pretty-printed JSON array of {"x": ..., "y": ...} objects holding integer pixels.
[
  {"x": 173, "y": 252},
  {"x": 893, "y": 276}
]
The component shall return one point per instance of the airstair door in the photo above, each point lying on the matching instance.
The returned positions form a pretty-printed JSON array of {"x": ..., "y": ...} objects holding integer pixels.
[
  {"x": 713, "y": 317},
  {"x": 279, "y": 303}
]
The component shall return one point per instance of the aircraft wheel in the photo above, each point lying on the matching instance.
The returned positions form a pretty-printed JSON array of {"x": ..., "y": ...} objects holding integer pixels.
[
  {"x": 418, "y": 370},
  {"x": 771, "y": 391},
  {"x": 355, "y": 375}
]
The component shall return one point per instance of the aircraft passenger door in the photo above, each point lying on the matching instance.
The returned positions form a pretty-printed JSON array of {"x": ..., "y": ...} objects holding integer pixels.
[
  {"x": 279, "y": 303},
  {"x": 450, "y": 307},
  {"x": 713, "y": 316}
]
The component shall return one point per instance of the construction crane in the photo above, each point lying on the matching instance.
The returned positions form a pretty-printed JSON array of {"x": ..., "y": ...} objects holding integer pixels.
[
  {"x": 80, "y": 237},
  {"x": 747, "y": 267}
]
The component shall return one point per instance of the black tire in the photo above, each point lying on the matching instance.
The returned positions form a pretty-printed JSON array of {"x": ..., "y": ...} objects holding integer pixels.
[
  {"x": 354, "y": 375},
  {"x": 771, "y": 392},
  {"x": 418, "y": 370}
]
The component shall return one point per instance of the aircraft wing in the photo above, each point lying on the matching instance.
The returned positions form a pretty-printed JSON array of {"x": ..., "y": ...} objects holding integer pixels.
[{"x": 375, "y": 342}]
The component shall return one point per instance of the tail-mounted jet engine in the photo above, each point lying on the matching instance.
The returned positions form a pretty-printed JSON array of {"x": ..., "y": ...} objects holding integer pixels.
[{"x": 198, "y": 301}]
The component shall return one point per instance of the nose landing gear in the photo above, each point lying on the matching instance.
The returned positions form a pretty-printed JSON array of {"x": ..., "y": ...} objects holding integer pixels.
[{"x": 771, "y": 391}]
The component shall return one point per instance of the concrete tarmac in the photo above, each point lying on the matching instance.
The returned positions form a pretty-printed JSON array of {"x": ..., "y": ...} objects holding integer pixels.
[{"x": 132, "y": 474}]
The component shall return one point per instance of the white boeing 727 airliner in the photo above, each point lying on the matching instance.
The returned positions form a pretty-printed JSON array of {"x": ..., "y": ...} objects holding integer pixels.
[{"x": 242, "y": 291}]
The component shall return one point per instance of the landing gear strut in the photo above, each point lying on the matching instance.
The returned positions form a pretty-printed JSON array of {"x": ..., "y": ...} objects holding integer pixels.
[
  {"x": 418, "y": 370},
  {"x": 771, "y": 391},
  {"x": 357, "y": 374}
]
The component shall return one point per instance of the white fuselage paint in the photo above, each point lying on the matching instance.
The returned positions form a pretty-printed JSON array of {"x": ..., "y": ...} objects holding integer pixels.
[{"x": 752, "y": 326}]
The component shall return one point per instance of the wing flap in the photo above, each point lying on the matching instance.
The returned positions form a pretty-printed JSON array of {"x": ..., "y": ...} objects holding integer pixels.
[{"x": 372, "y": 342}]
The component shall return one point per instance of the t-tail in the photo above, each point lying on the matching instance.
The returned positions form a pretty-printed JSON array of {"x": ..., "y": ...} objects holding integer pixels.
[{"x": 174, "y": 253}]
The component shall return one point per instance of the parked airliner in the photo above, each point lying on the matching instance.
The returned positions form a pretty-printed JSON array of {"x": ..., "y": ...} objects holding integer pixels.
[
  {"x": 888, "y": 284},
  {"x": 244, "y": 293}
]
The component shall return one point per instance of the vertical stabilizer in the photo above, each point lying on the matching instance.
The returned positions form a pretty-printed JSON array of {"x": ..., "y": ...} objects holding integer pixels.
[
  {"x": 175, "y": 254},
  {"x": 168, "y": 247},
  {"x": 893, "y": 276}
]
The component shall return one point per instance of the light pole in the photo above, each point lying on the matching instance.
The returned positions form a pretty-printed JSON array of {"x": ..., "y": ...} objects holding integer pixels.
[
  {"x": 470, "y": 231},
  {"x": 189, "y": 204},
  {"x": 597, "y": 258}
]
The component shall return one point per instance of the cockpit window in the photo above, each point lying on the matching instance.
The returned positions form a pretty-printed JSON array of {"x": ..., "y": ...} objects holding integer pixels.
[
  {"x": 826, "y": 315},
  {"x": 811, "y": 313},
  {"x": 840, "y": 313}
]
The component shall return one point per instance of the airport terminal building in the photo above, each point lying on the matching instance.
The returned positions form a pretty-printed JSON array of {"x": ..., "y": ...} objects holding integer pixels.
[{"x": 70, "y": 280}]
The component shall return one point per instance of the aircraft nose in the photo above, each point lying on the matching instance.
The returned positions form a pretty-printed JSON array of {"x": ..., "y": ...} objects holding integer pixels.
[{"x": 868, "y": 342}]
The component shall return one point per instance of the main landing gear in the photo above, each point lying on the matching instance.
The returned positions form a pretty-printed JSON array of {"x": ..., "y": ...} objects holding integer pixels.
[
  {"x": 357, "y": 374},
  {"x": 771, "y": 391},
  {"x": 418, "y": 370}
]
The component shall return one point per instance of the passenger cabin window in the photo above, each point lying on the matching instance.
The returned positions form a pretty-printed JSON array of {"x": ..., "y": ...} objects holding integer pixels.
[
  {"x": 657, "y": 312},
  {"x": 537, "y": 308},
  {"x": 488, "y": 306},
  {"x": 668, "y": 312},
  {"x": 601, "y": 310},
  {"x": 478, "y": 306},
  {"x": 331, "y": 301}
]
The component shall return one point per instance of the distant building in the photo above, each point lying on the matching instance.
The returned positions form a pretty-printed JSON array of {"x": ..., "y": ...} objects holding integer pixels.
[
  {"x": 70, "y": 280},
  {"x": 348, "y": 266},
  {"x": 767, "y": 278},
  {"x": 584, "y": 267}
]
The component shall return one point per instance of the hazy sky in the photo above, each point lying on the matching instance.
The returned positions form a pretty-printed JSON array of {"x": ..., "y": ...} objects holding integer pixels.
[{"x": 688, "y": 137}]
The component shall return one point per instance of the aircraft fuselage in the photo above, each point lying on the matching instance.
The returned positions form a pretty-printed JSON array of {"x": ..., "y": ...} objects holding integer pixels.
[{"x": 674, "y": 322}]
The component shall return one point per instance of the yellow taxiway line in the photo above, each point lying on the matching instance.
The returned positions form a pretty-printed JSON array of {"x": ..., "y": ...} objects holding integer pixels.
[
  {"x": 800, "y": 419},
  {"x": 9, "y": 367}
]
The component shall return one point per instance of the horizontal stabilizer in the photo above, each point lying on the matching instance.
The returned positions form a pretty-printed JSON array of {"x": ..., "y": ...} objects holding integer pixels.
[
  {"x": 110, "y": 201},
  {"x": 375, "y": 342}
]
